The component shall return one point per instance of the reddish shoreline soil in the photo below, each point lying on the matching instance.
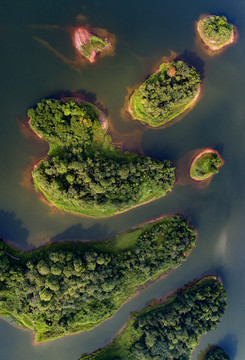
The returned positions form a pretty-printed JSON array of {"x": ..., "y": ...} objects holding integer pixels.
[
  {"x": 203, "y": 152},
  {"x": 127, "y": 108},
  {"x": 81, "y": 36},
  {"x": 213, "y": 50}
]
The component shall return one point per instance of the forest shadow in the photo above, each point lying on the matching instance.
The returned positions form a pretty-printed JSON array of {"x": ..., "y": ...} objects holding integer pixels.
[
  {"x": 193, "y": 60},
  {"x": 12, "y": 230},
  {"x": 228, "y": 344},
  {"x": 78, "y": 232}
]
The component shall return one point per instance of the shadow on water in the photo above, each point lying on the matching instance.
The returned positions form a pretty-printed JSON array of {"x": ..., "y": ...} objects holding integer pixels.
[
  {"x": 193, "y": 60},
  {"x": 78, "y": 232},
  {"x": 12, "y": 230},
  {"x": 228, "y": 344}
]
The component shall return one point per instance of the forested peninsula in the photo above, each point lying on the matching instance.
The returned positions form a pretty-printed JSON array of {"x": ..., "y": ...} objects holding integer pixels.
[
  {"x": 167, "y": 93},
  {"x": 88, "y": 44},
  {"x": 205, "y": 164},
  {"x": 70, "y": 287},
  {"x": 215, "y": 32},
  {"x": 217, "y": 353},
  {"x": 170, "y": 330},
  {"x": 83, "y": 172}
]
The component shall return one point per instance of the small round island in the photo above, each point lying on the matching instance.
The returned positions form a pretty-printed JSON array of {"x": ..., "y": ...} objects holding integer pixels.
[
  {"x": 205, "y": 164},
  {"x": 215, "y": 32}
]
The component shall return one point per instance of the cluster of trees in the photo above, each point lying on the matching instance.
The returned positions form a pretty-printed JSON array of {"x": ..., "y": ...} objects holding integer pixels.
[
  {"x": 216, "y": 29},
  {"x": 66, "y": 288},
  {"x": 165, "y": 94},
  {"x": 84, "y": 173},
  {"x": 208, "y": 164},
  {"x": 217, "y": 353},
  {"x": 171, "y": 330},
  {"x": 95, "y": 43}
]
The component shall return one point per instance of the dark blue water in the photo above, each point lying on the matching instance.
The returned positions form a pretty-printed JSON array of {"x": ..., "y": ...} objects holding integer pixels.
[{"x": 30, "y": 34}]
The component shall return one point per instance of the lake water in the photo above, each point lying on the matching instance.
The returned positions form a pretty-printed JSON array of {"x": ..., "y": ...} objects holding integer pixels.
[{"x": 31, "y": 32}]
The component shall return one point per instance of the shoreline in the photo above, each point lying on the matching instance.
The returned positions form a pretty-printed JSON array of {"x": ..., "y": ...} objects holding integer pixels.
[
  {"x": 105, "y": 127},
  {"x": 201, "y": 153},
  {"x": 163, "y": 300},
  {"x": 138, "y": 290},
  {"x": 81, "y": 35},
  {"x": 127, "y": 105},
  {"x": 214, "y": 49}
]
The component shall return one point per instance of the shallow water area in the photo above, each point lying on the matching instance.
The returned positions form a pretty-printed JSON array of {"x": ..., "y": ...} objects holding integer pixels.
[{"x": 31, "y": 71}]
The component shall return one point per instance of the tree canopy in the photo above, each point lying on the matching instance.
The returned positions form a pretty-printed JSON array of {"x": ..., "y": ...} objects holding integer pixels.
[
  {"x": 70, "y": 287},
  {"x": 206, "y": 165},
  {"x": 165, "y": 94},
  {"x": 217, "y": 353},
  {"x": 84, "y": 172},
  {"x": 215, "y": 30},
  {"x": 170, "y": 330}
]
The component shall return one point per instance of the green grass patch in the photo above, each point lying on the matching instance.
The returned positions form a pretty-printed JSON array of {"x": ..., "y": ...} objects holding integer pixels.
[
  {"x": 165, "y": 94},
  {"x": 86, "y": 174},
  {"x": 215, "y": 31},
  {"x": 69, "y": 287},
  {"x": 95, "y": 44},
  {"x": 170, "y": 330},
  {"x": 205, "y": 166}
]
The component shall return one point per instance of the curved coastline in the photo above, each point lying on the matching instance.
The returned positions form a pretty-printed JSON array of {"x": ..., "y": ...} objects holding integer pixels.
[
  {"x": 168, "y": 298},
  {"x": 210, "y": 48},
  {"x": 98, "y": 246},
  {"x": 81, "y": 35},
  {"x": 172, "y": 118},
  {"x": 201, "y": 153}
]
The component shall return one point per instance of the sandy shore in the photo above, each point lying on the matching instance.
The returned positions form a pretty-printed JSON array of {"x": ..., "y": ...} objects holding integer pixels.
[{"x": 201, "y": 153}]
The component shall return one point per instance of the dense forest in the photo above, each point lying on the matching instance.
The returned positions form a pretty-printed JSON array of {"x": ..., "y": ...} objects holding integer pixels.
[
  {"x": 70, "y": 287},
  {"x": 206, "y": 165},
  {"x": 217, "y": 353},
  {"x": 165, "y": 94},
  {"x": 95, "y": 44},
  {"x": 170, "y": 330},
  {"x": 215, "y": 30},
  {"x": 84, "y": 172}
]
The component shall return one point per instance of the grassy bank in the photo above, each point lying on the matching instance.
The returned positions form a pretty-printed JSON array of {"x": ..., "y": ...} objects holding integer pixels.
[
  {"x": 84, "y": 173},
  {"x": 70, "y": 287},
  {"x": 205, "y": 164},
  {"x": 165, "y": 94},
  {"x": 170, "y": 330},
  {"x": 215, "y": 32}
]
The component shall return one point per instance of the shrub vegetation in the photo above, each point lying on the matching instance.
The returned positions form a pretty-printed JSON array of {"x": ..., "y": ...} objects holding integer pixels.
[
  {"x": 84, "y": 172},
  {"x": 205, "y": 166},
  {"x": 95, "y": 43},
  {"x": 70, "y": 287},
  {"x": 215, "y": 31},
  {"x": 165, "y": 94},
  {"x": 217, "y": 353},
  {"x": 170, "y": 330}
]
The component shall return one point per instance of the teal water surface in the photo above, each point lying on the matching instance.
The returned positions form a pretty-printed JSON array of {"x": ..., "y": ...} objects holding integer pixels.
[{"x": 145, "y": 32}]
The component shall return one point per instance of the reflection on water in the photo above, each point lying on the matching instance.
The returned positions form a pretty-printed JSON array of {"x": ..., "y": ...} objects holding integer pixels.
[{"x": 145, "y": 33}]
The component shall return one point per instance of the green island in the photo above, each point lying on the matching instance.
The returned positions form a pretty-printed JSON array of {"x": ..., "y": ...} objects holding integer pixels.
[
  {"x": 84, "y": 173},
  {"x": 70, "y": 287},
  {"x": 216, "y": 353},
  {"x": 205, "y": 164},
  {"x": 215, "y": 32},
  {"x": 89, "y": 44},
  {"x": 169, "y": 330},
  {"x": 166, "y": 94},
  {"x": 95, "y": 44}
]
